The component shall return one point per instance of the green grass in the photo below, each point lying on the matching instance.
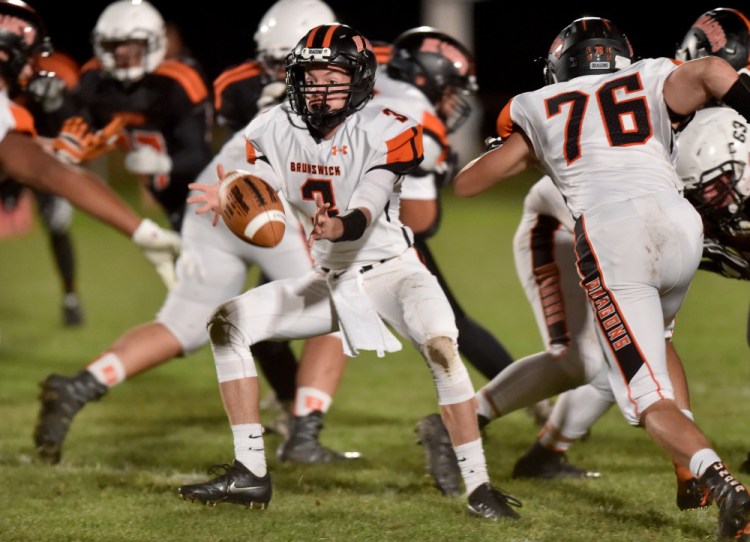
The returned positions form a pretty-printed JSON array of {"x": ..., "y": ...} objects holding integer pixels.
[{"x": 126, "y": 455}]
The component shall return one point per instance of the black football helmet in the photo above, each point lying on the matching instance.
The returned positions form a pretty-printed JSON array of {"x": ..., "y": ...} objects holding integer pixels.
[
  {"x": 330, "y": 45},
  {"x": 587, "y": 46},
  {"x": 723, "y": 32},
  {"x": 440, "y": 66},
  {"x": 22, "y": 36}
]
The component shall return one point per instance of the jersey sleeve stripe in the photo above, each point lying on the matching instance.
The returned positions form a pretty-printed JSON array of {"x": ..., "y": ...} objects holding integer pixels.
[
  {"x": 246, "y": 70},
  {"x": 187, "y": 77},
  {"x": 504, "y": 124},
  {"x": 250, "y": 153},
  {"x": 405, "y": 147},
  {"x": 24, "y": 121}
]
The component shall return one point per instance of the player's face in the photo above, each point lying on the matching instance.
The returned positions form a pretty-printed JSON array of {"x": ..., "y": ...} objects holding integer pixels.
[
  {"x": 127, "y": 53},
  {"x": 327, "y": 87}
]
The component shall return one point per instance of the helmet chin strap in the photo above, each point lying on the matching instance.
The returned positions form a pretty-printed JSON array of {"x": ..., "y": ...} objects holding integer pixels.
[{"x": 322, "y": 120}]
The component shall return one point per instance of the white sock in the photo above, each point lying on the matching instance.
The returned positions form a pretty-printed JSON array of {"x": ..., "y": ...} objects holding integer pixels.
[
  {"x": 107, "y": 369},
  {"x": 472, "y": 463},
  {"x": 308, "y": 399},
  {"x": 484, "y": 407},
  {"x": 701, "y": 460},
  {"x": 249, "y": 448}
]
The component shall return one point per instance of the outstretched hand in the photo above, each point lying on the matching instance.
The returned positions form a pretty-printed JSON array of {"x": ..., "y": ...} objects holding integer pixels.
[
  {"x": 209, "y": 198},
  {"x": 321, "y": 221}
]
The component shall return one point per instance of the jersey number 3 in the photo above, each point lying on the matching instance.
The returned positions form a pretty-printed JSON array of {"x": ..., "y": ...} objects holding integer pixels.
[{"x": 626, "y": 122}]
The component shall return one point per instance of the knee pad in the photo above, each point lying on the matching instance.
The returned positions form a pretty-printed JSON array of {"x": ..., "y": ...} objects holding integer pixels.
[
  {"x": 452, "y": 381},
  {"x": 230, "y": 347}
]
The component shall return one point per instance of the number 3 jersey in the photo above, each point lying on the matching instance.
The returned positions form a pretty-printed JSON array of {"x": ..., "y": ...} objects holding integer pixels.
[
  {"x": 360, "y": 166},
  {"x": 593, "y": 132}
]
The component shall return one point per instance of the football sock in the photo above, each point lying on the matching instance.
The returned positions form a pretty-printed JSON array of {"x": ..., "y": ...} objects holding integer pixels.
[
  {"x": 249, "y": 448},
  {"x": 701, "y": 460},
  {"x": 472, "y": 463},
  {"x": 309, "y": 399},
  {"x": 107, "y": 369}
]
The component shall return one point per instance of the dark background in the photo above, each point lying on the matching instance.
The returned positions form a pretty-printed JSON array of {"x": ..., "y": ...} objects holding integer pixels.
[{"x": 509, "y": 35}]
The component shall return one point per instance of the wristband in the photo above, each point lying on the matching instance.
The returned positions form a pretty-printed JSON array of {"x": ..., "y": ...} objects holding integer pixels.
[
  {"x": 354, "y": 223},
  {"x": 738, "y": 97}
]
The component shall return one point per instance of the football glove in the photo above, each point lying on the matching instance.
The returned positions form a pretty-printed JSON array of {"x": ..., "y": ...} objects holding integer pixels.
[
  {"x": 146, "y": 160},
  {"x": 724, "y": 260},
  {"x": 492, "y": 143},
  {"x": 161, "y": 247},
  {"x": 76, "y": 142}
]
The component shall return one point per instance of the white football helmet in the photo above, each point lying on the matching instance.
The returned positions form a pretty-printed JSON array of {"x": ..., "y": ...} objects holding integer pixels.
[
  {"x": 713, "y": 152},
  {"x": 126, "y": 20},
  {"x": 283, "y": 26}
]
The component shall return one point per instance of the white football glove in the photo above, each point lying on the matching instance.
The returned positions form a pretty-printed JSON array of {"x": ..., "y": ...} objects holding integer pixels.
[
  {"x": 146, "y": 160},
  {"x": 161, "y": 247}
]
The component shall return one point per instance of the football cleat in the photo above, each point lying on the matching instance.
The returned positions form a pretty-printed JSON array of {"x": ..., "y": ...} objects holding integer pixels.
[
  {"x": 745, "y": 467},
  {"x": 490, "y": 503},
  {"x": 545, "y": 464},
  {"x": 441, "y": 461},
  {"x": 303, "y": 445},
  {"x": 691, "y": 495},
  {"x": 62, "y": 397},
  {"x": 732, "y": 499},
  {"x": 235, "y": 484},
  {"x": 72, "y": 311}
]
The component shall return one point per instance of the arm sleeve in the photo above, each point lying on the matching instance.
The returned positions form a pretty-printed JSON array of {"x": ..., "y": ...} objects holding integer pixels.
[{"x": 374, "y": 191}]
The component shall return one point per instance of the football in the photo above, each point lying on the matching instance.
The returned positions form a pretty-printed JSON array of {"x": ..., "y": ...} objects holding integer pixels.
[{"x": 252, "y": 209}]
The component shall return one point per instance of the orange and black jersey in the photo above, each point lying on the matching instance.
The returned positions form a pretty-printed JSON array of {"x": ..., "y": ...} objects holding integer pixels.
[
  {"x": 168, "y": 109},
  {"x": 236, "y": 93}
]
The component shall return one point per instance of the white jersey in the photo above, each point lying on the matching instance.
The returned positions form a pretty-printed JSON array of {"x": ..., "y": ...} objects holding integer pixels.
[
  {"x": 407, "y": 99},
  {"x": 360, "y": 166},
  {"x": 7, "y": 120},
  {"x": 591, "y": 132}
]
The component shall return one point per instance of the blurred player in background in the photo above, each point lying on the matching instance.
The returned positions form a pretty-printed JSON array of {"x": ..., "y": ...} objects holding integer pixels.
[
  {"x": 46, "y": 96},
  {"x": 365, "y": 271},
  {"x": 25, "y": 160},
  {"x": 213, "y": 268},
  {"x": 635, "y": 289}
]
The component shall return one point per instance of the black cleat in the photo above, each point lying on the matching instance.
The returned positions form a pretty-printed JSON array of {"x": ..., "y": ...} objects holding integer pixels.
[
  {"x": 235, "y": 484},
  {"x": 72, "y": 311},
  {"x": 62, "y": 397},
  {"x": 691, "y": 495},
  {"x": 303, "y": 445},
  {"x": 442, "y": 463},
  {"x": 732, "y": 499},
  {"x": 490, "y": 503},
  {"x": 745, "y": 467},
  {"x": 543, "y": 463}
]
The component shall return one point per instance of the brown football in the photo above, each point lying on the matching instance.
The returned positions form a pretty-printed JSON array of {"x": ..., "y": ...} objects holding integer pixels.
[{"x": 252, "y": 209}]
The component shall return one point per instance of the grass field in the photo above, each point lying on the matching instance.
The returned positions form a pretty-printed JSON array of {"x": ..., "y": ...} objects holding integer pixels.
[{"x": 126, "y": 455}]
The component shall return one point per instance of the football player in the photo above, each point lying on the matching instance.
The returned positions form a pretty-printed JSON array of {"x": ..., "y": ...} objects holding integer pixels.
[
  {"x": 213, "y": 268},
  {"x": 366, "y": 273},
  {"x": 22, "y": 158},
  {"x": 618, "y": 178},
  {"x": 47, "y": 97}
]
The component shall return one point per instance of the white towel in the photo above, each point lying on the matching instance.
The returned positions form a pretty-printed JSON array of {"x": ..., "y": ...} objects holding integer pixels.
[{"x": 360, "y": 324}]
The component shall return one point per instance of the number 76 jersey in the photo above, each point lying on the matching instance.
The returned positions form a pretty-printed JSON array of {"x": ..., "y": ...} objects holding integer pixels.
[{"x": 602, "y": 138}]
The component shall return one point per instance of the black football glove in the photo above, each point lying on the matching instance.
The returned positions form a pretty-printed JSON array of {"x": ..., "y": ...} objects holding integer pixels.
[{"x": 723, "y": 260}]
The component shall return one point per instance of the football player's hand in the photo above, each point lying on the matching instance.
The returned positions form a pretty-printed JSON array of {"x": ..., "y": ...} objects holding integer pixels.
[
  {"x": 161, "y": 247},
  {"x": 322, "y": 223},
  {"x": 76, "y": 143},
  {"x": 723, "y": 260},
  {"x": 146, "y": 160},
  {"x": 208, "y": 198}
]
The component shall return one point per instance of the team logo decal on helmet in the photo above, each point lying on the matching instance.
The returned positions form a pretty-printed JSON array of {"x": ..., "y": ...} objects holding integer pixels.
[{"x": 587, "y": 46}]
